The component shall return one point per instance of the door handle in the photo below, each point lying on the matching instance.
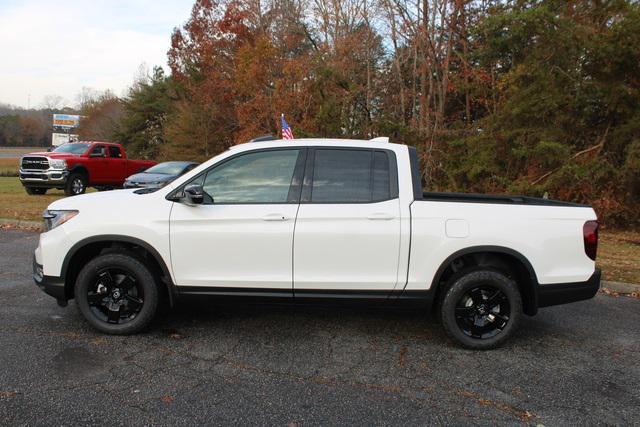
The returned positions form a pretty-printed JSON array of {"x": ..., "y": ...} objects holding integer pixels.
[
  {"x": 381, "y": 216},
  {"x": 275, "y": 217}
]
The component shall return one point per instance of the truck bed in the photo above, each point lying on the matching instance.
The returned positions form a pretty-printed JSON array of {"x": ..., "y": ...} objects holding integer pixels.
[{"x": 500, "y": 199}]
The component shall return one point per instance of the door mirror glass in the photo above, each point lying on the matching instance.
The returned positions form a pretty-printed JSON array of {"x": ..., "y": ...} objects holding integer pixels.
[{"x": 194, "y": 194}]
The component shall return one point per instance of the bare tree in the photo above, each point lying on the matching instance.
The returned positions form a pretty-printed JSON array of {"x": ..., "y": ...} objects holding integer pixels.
[{"x": 52, "y": 102}]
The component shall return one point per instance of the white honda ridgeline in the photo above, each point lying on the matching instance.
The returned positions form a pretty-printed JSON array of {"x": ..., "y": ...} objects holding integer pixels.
[{"x": 313, "y": 220}]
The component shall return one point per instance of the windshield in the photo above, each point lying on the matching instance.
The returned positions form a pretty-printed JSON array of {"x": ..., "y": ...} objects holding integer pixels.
[
  {"x": 73, "y": 148},
  {"x": 167, "y": 168}
]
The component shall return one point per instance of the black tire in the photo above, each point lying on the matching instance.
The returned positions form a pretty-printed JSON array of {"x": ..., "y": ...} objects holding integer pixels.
[
  {"x": 136, "y": 300},
  {"x": 35, "y": 190},
  {"x": 76, "y": 184},
  {"x": 481, "y": 309}
]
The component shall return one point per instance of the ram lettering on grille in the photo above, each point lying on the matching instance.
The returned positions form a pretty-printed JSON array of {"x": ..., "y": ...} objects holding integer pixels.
[{"x": 35, "y": 163}]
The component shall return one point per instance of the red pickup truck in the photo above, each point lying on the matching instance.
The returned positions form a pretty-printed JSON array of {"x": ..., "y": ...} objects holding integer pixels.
[{"x": 75, "y": 166}]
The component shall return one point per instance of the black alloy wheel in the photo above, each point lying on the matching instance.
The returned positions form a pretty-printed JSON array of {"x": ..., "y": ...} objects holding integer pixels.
[
  {"x": 483, "y": 312},
  {"x": 480, "y": 309},
  {"x": 117, "y": 293},
  {"x": 116, "y": 296}
]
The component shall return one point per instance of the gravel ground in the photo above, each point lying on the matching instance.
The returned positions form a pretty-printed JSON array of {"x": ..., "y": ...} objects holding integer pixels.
[{"x": 573, "y": 364}]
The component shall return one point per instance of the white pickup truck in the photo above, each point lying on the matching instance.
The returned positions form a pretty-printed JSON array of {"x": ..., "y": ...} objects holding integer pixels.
[{"x": 317, "y": 220}]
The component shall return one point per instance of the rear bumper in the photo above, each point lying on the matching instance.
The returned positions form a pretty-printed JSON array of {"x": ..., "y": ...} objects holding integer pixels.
[
  {"x": 51, "y": 285},
  {"x": 563, "y": 293}
]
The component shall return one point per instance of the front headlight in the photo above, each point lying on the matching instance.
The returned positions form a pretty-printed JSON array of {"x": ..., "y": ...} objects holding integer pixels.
[
  {"x": 52, "y": 218},
  {"x": 58, "y": 163}
]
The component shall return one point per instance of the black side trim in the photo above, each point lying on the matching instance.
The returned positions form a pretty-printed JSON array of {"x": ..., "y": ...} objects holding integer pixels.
[
  {"x": 478, "y": 249},
  {"x": 114, "y": 238},
  {"x": 416, "y": 179},
  {"x": 341, "y": 294},
  {"x": 563, "y": 293},
  {"x": 393, "y": 173},
  {"x": 235, "y": 292},
  {"x": 417, "y": 299},
  {"x": 51, "y": 285},
  {"x": 533, "y": 304},
  {"x": 296, "y": 180}
]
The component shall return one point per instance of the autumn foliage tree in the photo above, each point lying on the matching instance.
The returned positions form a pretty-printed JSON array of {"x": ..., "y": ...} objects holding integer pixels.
[{"x": 530, "y": 96}]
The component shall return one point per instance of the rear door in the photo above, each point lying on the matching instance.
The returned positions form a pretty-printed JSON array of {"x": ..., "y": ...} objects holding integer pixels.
[{"x": 347, "y": 234}]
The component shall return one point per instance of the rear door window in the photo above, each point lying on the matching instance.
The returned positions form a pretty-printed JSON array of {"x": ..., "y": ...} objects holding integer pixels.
[
  {"x": 115, "y": 152},
  {"x": 350, "y": 176},
  {"x": 341, "y": 176}
]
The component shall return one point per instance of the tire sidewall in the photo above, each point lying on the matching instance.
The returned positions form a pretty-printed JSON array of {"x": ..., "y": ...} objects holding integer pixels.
[
  {"x": 69, "y": 186},
  {"x": 142, "y": 275},
  {"x": 462, "y": 283}
]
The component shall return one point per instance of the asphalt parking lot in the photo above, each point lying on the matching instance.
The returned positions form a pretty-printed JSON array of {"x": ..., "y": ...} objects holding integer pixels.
[{"x": 572, "y": 364}]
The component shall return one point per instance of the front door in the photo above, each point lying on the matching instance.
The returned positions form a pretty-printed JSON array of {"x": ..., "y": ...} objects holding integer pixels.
[
  {"x": 99, "y": 169},
  {"x": 117, "y": 170},
  {"x": 242, "y": 235},
  {"x": 347, "y": 235}
]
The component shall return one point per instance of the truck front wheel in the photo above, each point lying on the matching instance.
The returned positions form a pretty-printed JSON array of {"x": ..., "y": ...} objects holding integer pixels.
[
  {"x": 76, "y": 184},
  {"x": 117, "y": 294},
  {"x": 481, "y": 309}
]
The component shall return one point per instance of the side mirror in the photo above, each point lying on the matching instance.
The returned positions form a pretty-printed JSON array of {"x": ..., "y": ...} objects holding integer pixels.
[
  {"x": 97, "y": 155},
  {"x": 194, "y": 194}
]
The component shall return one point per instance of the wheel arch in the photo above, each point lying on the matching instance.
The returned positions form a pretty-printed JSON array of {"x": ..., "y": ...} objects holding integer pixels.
[
  {"x": 502, "y": 258},
  {"x": 89, "y": 248},
  {"x": 80, "y": 169}
]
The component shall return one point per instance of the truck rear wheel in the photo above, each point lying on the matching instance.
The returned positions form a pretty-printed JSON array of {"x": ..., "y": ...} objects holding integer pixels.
[
  {"x": 76, "y": 184},
  {"x": 117, "y": 294},
  {"x": 35, "y": 190},
  {"x": 481, "y": 309}
]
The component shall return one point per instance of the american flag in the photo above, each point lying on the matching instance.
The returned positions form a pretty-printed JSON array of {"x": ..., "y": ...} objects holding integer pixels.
[{"x": 287, "y": 133}]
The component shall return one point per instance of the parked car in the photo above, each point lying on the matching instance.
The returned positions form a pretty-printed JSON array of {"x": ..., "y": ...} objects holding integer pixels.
[
  {"x": 75, "y": 166},
  {"x": 317, "y": 220},
  {"x": 159, "y": 175}
]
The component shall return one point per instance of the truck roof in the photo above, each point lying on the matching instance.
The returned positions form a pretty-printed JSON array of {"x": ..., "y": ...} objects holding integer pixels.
[
  {"x": 382, "y": 142},
  {"x": 96, "y": 142}
]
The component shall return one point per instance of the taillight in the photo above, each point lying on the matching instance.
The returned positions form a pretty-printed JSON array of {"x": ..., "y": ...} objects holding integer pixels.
[{"x": 590, "y": 235}]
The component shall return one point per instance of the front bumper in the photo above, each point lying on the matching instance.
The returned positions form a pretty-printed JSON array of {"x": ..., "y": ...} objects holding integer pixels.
[
  {"x": 563, "y": 293},
  {"x": 51, "y": 285},
  {"x": 43, "y": 178}
]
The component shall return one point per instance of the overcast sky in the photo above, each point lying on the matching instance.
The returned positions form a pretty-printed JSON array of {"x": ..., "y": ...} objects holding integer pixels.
[{"x": 57, "y": 47}]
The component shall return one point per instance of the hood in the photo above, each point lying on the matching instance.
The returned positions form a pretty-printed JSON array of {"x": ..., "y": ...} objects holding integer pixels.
[
  {"x": 99, "y": 198},
  {"x": 151, "y": 177},
  {"x": 116, "y": 212},
  {"x": 51, "y": 155}
]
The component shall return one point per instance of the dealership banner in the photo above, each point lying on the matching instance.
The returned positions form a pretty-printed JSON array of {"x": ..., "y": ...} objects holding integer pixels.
[
  {"x": 66, "y": 121},
  {"x": 62, "y": 138}
]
